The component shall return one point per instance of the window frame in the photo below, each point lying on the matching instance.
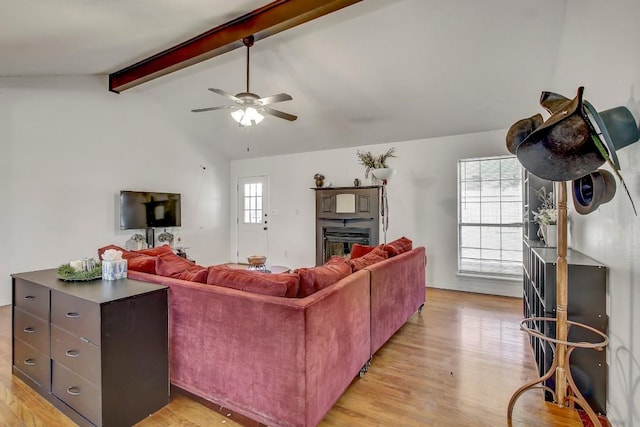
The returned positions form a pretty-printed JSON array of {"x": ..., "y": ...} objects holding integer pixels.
[{"x": 501, "y": 261}]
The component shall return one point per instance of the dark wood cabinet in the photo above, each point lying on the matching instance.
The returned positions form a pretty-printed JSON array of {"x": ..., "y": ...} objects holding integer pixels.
[{"x": 98, "y": 350}]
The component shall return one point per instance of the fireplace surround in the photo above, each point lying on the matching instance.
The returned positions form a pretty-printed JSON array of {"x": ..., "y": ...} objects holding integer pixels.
[{"x": 344, "y": 216}]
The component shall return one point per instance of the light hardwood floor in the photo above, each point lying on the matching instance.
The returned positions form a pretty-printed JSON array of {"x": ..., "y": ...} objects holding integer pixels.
[{"x": 455, "y": 364}]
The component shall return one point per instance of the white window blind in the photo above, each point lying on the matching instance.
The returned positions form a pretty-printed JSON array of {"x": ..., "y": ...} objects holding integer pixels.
[{"x": 490, "y": 216}]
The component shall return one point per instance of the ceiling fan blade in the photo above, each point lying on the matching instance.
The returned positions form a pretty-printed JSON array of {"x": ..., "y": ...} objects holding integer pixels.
[
  {"x": 226, "y": 95},
  {"x": 199, "y": 110},
  {"x": 274, "y": 98},
  {"x": 277, "y": 113}
]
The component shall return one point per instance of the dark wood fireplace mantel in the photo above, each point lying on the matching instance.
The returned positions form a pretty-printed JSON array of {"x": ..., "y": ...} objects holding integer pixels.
[{"x": 345, "y": 215}]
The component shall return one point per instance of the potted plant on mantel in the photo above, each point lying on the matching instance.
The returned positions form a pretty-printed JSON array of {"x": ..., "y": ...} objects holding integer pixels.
[
  {"x": 547, "y": 217},
  {"x": 377, "y": 165}
]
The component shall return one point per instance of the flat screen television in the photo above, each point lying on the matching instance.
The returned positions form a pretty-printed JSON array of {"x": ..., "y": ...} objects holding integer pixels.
[{"x": 148, "y": 209}]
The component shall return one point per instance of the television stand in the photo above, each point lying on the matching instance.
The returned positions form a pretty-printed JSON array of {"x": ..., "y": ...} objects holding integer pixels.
[{"x": 151, "y": 237}]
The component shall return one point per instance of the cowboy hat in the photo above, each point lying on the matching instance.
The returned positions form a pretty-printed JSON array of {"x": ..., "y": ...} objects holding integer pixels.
[
  {"x": 563, "y": 147},
  {"x": 520, "y": 130},
  {"x": 592, "y": 190},
  {"x": 616, "y": 127}
]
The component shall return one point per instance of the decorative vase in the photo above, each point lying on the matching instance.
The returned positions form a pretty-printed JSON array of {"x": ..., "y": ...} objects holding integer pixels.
[
  {"x": 382, "y": 174},
  {"x": 550, "y": 235},
  {"x": 319, "y": 183}
]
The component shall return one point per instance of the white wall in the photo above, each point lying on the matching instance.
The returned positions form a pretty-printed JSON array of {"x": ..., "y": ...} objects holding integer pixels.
[
  {"x": 600, "y": 52},
  {"x": 67, "y": 148},
  {"x": 422, "y": 200}
]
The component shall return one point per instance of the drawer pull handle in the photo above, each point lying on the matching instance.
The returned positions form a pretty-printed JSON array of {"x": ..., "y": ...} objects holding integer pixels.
[
  {"x": 74, "y": 391},
  {"x": 29, "y": 329},
  {"x": 73, "y": 315},
  {"x": 72, "y": 353},
  {"x": 30, "y": 298},
  {"x": 29, "y": 362}
]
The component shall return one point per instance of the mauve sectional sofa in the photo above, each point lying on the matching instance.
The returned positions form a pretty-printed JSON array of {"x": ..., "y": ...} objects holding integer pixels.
[{"x": 278, "y": 360}]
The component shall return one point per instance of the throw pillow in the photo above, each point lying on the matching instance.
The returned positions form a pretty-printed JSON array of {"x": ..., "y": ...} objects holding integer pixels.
[
  {"x": 160, "y": 250},
  {"x": 312, "y": 279},
  {"x": 171, "y": 265},
  {"x": 195, "y": 273},
  {"x": 376, "y": 255},
  {"x": 278, "y": 285},
  {"x": 398, "y": 246},
  {"x": 358, "y": 250},
  {"x": 143, "y": 263}
]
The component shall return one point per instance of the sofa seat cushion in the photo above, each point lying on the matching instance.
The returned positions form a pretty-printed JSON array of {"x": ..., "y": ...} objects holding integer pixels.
[
  {"x": 374, "y": 256},
  {"x": 398, "y": 246},
  {"x": 278, "y": 285},
  {"x": 312, "y": 279}
]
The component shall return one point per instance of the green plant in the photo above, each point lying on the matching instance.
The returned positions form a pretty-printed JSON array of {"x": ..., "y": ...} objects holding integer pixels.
[
  {"x": 547, "y": 214},
  {"x": 369, "y": 161},
  {"x": 66, "y": 272}
]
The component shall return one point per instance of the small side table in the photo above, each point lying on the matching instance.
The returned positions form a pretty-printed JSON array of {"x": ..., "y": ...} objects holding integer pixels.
[{"x": 274, "y": 269}]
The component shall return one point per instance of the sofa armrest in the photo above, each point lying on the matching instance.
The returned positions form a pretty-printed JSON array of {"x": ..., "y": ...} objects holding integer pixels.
[{"x": 397, "y": 292}]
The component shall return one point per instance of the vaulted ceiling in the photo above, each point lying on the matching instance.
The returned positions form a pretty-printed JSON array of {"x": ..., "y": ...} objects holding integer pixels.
[{"x": 376, "y": 71}]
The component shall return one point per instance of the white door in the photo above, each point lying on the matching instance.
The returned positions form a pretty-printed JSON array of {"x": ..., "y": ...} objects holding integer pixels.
[{"x": 253, "y": 220}]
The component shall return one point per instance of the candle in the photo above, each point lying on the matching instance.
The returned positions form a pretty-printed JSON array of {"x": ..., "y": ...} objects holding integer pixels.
[{"x": 76, "y": 265}]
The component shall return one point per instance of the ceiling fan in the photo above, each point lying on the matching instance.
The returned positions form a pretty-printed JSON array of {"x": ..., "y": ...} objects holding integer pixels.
[{"x": 248, "y": 106}]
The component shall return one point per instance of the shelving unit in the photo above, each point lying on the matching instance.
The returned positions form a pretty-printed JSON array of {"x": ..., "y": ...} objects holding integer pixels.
[
  {"x": 530, "y": 184},
  {"x": 587, "y": 305}
]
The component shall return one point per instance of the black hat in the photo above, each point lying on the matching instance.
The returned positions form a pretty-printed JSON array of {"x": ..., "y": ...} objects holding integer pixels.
[
  {"x": 563, "y": 147},
  {"x": 592, "y": 190}
]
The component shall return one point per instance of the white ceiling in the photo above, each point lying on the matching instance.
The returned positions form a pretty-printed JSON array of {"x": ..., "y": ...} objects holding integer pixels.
[{"x": 378, "y": 71}]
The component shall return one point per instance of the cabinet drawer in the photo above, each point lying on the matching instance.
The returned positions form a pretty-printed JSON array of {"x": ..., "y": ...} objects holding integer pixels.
[
  {"x": 32, "y": 363},
  {"x": 32, "y": 298},
  {"x": 76, "y": 392},
  {"x": 32, "y": 330},
  {"x": 78, "y": 355},
  {"x": 76, "y": 315}
]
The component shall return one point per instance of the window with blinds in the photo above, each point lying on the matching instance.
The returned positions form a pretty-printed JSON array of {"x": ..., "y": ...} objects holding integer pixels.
[{"x": 490, "y": 216}]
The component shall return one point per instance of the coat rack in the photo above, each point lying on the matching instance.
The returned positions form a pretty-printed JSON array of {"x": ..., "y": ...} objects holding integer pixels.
[{"x": 565, "y": 386}]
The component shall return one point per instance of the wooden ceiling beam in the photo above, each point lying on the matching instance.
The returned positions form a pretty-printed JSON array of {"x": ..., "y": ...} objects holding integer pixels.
[{"x": 271, "y": 19}]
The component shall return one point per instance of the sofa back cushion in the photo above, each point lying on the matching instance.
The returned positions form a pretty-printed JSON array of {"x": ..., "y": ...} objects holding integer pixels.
[
  {"x": 376, "y": 255},
  {"x": 278, "y": 285},
  {"x": 398, "y": 246},
  {"x": 312, "y": 279}
]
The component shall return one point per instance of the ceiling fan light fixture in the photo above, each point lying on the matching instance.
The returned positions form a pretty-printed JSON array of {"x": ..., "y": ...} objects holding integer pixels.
[{"x": 247, "y": 117}]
